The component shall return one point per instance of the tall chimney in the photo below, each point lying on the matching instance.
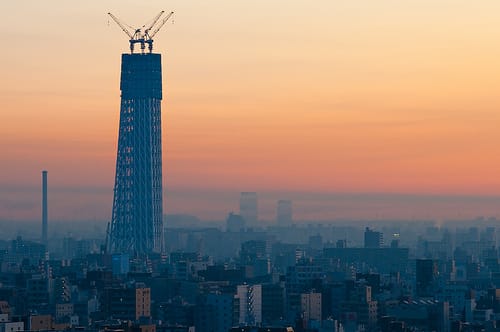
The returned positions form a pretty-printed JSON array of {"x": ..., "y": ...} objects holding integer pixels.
[{"x": 44, "y": 208}]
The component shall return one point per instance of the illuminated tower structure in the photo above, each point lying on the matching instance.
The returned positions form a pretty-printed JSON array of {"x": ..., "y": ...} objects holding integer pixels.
[{"x": 137, "y": 226}]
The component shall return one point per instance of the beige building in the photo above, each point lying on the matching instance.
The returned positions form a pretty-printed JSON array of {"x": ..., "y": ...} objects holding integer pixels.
[
  {"x": 40, "y": 323},
  {"x": 142, "y": 302},
  {"x": 310, "y": 305}
]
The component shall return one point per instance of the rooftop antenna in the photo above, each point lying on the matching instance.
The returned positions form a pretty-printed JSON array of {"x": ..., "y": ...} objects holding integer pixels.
[{"x": 143, "y": 35}]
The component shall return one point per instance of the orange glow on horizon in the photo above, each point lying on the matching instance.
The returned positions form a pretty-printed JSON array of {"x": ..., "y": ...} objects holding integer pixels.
[{"x": 357, "y": 96}]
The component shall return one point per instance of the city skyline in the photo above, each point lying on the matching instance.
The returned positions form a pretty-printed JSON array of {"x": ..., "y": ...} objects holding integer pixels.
[{"x": 344, "y": 100}]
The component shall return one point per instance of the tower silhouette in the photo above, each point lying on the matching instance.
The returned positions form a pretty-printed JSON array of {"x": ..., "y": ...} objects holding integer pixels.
[
  {"x": 44, "y": 209},
  {"x": 137, "y": 226}
]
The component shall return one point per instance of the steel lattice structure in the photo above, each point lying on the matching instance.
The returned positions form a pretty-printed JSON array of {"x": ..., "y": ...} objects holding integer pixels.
[{"x": 136, "y": 226}]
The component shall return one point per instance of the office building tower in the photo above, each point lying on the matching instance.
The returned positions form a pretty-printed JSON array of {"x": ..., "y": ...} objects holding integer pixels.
[
  {"x": 250, "y": 304},
  {"x": 215, "y": 312},
  {"x": 130, "y": 303},
  {"x": 235, "y": 223},
  {"x": 426, "y": 277},
  {"x": 249, "y": 208},
  {"x": 310, "y": 305},
  {"x": 284, "y": 213},
  {"x": 273, "y": 302},
  {"x": 373, "y": 239}
]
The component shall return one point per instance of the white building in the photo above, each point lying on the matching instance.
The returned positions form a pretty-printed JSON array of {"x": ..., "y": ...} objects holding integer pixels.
[
  {"x": 250, "y": 298},
  {"x": 11, "y": 326}
]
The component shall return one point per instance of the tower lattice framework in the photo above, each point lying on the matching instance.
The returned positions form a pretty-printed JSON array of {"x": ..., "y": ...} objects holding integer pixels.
[{"x": 137, "y": 226}]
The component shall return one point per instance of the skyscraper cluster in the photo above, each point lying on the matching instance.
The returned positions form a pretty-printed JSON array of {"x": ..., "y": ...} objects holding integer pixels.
[{"x": 249, "y": 210}]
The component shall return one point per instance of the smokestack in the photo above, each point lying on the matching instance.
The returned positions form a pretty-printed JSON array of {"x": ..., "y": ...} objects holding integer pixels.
[{"x": 44, "y": 208}]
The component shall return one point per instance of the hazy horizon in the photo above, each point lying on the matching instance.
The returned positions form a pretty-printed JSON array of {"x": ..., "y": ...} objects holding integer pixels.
[
  {"x": 94, "y": 203},
  {"x": 326, "y": 97}
]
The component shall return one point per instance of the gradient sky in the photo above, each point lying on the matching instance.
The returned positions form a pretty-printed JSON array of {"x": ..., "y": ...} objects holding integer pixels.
[{"x": 353, "y": 96}]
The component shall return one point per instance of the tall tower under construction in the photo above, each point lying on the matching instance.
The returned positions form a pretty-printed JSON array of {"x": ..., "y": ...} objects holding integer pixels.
[
  {"x": 44, "y": 209},
  {"x": 136, "y": 226}
]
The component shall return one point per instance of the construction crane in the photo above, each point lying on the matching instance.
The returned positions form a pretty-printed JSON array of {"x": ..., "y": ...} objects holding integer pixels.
[{"x": 142, "y": 35}]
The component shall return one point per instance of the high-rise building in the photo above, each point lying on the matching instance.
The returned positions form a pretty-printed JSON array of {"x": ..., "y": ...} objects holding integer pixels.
[
  {"x": 284, "y": 213},
  {"x": 215, "y": 312},
  {"x": 273, "y": 302},
  {"x": 249, "y": 208},
  {"x": 359, "y": 302},
  {"x": 136, "y": 225},
  {"x": 61, "y": 290},
  {"x": 235, "y": 223},
  {"x": 373, "y": 239},
  {"x": 129, "y": 303},
  {"x": 250, "y": 304},
  {"x": 426, "y": 271},
  {"x": 310, "y": 305}
]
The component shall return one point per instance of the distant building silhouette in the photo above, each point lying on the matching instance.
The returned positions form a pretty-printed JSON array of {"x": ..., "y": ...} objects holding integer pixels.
[
  {"x": 249, "y": 208},
  {"x": 384, "y": 260},
  {"x": 316, "y": 242},
  {"x": 235, "y": 223},
  {"x": 426, "y": 275},
  {"x": 373, "y": 239},
  {"x": 284, "y": 213}
]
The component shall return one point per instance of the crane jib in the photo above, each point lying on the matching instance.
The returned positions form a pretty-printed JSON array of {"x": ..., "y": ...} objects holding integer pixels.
[{"x": 142, "y": 36}]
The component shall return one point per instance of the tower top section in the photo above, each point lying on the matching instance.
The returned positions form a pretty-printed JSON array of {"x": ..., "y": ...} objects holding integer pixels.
[
  {"x": 141, "y": 76},
  {"x": 145, "y": 34}
]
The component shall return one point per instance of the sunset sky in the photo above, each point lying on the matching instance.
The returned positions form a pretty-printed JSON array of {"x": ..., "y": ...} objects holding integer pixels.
[{"x": 330, "y": 103}]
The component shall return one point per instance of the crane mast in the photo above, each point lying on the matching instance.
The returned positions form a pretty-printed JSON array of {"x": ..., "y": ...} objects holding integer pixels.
[{"x": 142, "y": 35}]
